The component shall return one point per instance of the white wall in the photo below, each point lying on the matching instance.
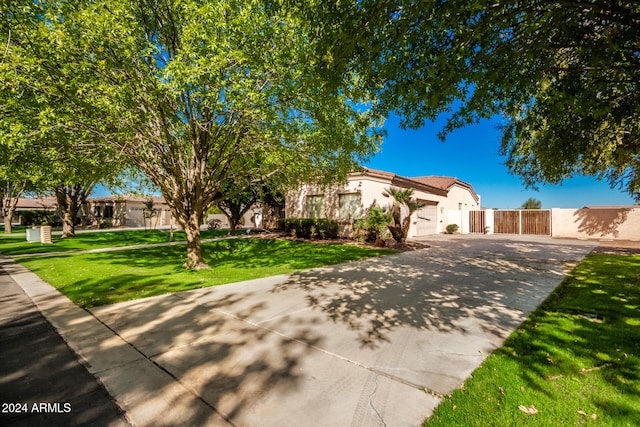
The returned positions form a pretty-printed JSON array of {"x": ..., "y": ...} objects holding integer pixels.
[
  {"x": 460, "y": 218},
  {"x": 595, "y": 223},
  {"x": 459, "y": 195},
  {"x": 606, "y": 223}
]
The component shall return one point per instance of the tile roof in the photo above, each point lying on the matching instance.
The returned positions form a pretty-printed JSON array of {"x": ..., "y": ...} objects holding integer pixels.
[
  {"x": 435, "y": 183},
  {"x": 444, "y": 182},
  {"x": 44, "y": 202},
  {"x": 402, "y": 181}
]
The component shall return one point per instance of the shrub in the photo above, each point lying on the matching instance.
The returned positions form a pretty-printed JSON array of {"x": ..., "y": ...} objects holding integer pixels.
[
  {"x": 105, "y": 224},
  {"x": 36, "y": 217},
  {"x": 373, "y": 226},
  {"x": 452, "y": 228},
  {"x": 310, "y": 228}
]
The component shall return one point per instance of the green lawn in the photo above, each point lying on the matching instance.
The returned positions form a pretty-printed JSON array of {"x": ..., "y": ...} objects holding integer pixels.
[
  {"x": 103, "y": 278},
  {"x": 576, "y": 360},
  {"x": 13, "y": 245}
]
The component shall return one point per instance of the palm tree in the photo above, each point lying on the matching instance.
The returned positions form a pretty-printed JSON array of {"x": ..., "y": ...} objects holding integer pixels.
[
  {"x": 531, "y": 203},
  {"x": 400, "y": 228},
  {"x": 148, "y": 212}
]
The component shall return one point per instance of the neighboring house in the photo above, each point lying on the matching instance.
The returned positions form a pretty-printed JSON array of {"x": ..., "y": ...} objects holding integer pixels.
[
  {"x": 41, "y": 204},
  {"x": 366, "y": 187},
  {"x": 126, "y": 211},
  {"x": 44, "y": 203}
]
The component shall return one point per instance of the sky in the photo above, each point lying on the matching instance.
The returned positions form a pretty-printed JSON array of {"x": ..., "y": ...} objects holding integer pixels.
[{"x": 471, "y": 154}]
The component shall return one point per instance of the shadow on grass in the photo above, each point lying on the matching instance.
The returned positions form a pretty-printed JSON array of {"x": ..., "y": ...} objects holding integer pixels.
[
  {"x": 589, "y": 327},
  {"x": 17, "y": 245},
  {"x": 104, "y": 278},
  {"x": 579, "y": 352}
]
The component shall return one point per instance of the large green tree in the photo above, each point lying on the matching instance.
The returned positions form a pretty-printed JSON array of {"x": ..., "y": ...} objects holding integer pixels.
[
  {"x": 193, "y": 92},
  {"x": 44, "y": 146},
  {"x": 20, "y": 163},
  {"x": 563, "y": 73},
  {"x": 19, "y": 175}
]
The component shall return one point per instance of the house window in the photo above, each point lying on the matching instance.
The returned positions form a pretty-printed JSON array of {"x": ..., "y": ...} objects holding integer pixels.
[
  {"x": 350, "y": 205},
  {"x": 315, "y": 206},
  {"x": 108, "y": 211}
]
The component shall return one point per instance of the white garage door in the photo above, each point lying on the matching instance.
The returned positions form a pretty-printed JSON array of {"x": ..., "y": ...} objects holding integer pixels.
[{"x": 425, "y": 220}]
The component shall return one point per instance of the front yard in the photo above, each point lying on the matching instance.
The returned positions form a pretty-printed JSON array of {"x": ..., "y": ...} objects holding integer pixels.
[
  {"x": 14, "y": 245},
  {"x": 575, "y": 361},
  {"x": 92, "y": 279}
]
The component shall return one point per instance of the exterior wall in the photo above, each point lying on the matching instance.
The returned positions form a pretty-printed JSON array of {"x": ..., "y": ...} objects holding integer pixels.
[
  {"x": 595, "y": 223},
  {"x": 607, "y": 223},
  {"x": 371, "y": 192},
  {"x": 460, "y": 218},
  {"x": 247, "y": 218},
  {"x": 460, "y": 198},
  {"x": 127, "y": 212}
]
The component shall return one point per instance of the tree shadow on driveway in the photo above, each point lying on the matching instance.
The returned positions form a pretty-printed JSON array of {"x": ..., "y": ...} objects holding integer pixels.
[
  {"x": 436, "y": 288},
  {"x": 428, "y": 318}
]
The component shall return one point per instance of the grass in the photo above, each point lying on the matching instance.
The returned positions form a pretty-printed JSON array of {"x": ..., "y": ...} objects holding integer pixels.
[
  {"x": 104, "y": 278},
  {"x": 576, "y": 360},
  {"x": 17, "y": 245}
]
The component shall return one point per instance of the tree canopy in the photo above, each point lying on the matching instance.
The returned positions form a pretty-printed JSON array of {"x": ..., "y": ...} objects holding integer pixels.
[
  {"x": 563, "y": 73},
  {"x": 197, "y": 93},
  {"x": 46, "y": 147},
  {"x": 531, "y": 203}
]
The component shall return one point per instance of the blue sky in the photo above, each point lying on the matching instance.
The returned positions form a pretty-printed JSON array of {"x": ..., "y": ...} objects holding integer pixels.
[{"x": 471, "y": 154}]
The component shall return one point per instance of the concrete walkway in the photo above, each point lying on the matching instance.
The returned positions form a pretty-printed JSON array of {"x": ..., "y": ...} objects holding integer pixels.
[
  {"x": 375, "y": 342},
  {"x": 37, "y": 367}
]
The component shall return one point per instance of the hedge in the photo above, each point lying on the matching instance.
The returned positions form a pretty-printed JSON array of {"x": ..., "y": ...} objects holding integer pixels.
[
  {"x": 38, "y": 217},
  {"x": 309, "y": 228}
]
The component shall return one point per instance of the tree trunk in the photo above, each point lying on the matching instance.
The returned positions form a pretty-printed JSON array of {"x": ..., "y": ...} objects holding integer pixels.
[
  {"x": 406, "y": 223},
  {"x": 69, "y": 198},
  {"x": 11, "y": 192},
  {"x": 233, "y": 222},
  {"x": 8, "y": 217},
  {"x": 68, "y": 224},
  {"x": 195, "y": 259},
  {"x": 68, "y": 206},
  {"x": 396, "y": 233}
]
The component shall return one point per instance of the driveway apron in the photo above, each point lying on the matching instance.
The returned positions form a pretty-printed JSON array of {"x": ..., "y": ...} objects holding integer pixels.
[{"x": 374, "y": 342}]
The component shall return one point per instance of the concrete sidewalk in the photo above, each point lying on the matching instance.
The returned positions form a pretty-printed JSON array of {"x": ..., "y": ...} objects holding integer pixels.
[
  {"x": 37, "y": 367},
  {"x": 375, "y": 342}
]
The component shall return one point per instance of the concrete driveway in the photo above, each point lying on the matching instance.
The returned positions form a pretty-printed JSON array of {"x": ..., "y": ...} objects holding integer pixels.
[{"x": 367, "y": 343}]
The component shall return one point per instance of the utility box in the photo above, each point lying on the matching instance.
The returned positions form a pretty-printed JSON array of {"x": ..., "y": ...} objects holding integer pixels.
[
  {"x": 33, "y": 235},
  {"x": 45, "y": 234}
]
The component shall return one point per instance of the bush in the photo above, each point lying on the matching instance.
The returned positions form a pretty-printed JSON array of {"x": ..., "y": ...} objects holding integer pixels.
[
  {"x": 373, "y": 226},
  {"x": 452, "y": 228},
  {"x": 37, "y": 217},
  {"x": 105, "y": 224},
  {"x": 309, "y": 228}
]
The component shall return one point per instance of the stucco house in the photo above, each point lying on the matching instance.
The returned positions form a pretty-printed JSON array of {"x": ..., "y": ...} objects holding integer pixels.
[
  {"x": 125, "y": 210},
  {"x": 365, "y": 188},
  {"x": 128, "y": 210}
]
